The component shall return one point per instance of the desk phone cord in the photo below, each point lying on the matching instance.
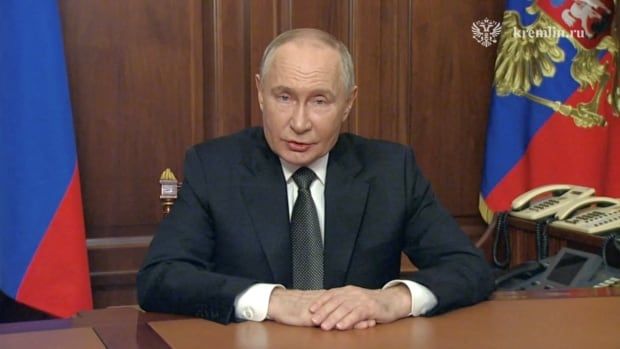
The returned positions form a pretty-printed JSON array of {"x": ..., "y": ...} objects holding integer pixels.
[
  {"x": 502, "y": 236},
  {"x": 610, "y": 247},
  {"x": 542, "y": 238}
]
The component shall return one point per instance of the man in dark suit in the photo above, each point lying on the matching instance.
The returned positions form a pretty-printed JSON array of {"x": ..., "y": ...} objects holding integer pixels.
[{"x": 297, "y": 223}]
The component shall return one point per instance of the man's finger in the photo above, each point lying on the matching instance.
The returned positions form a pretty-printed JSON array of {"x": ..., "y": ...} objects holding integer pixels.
[
  {"x": 356, "y": 315},
  {"x": 364, "y": 324},
  {"x": 322, "y": 299},
  {"x": 321, "y": 313},
  {"x": 337, "y": 315}
]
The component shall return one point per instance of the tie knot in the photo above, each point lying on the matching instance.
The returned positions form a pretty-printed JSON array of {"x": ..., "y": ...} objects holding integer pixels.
[{"x": 303, "y": 177}]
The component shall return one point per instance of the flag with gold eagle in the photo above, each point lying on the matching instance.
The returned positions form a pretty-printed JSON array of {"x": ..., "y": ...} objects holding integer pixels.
[{"x": 555, "y": 113}]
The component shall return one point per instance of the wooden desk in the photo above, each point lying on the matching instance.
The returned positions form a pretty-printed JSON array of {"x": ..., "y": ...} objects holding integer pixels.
[{"x": 588, "y": 319}]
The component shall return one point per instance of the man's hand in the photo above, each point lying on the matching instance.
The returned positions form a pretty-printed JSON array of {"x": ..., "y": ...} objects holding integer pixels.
[
  {"x": 292, "y": 307},
  {"x": 355, "y": 307}
]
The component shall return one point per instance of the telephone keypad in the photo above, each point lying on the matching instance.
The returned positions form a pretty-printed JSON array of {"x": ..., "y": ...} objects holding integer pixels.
[
  {"x": 544, "y": 204},
  {"x": 596, "y": 218}
]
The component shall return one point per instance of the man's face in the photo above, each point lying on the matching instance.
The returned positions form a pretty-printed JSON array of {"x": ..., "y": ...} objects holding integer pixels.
[{"x": 304, "y": 101}]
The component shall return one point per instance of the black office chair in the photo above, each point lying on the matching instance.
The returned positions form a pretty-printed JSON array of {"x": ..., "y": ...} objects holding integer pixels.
[{"x": 13, "y": 311}]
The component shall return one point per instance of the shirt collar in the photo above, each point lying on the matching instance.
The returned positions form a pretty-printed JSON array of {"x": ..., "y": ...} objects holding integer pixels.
[{"x": 319, "y": 166}]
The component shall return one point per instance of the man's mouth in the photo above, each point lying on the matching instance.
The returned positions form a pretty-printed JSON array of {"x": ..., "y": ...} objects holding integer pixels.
[{"x": 298, "y": 147}]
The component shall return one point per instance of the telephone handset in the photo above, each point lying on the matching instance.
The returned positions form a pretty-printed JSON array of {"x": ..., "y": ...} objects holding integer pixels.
[
  {"x": 590, "y": 215},
  {"x": 545, "y": 201}
]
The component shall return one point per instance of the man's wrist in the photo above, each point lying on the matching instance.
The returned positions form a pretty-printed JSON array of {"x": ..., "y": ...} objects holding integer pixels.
[
  {"x": 422, "y": 299},
  {"x": 272, "y": 308},
  {"x": 399, "y": 299},
  {"x": 252, "y": 304}
]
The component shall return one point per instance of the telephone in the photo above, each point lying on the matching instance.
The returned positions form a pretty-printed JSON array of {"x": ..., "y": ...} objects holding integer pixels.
[
  {"x": 569, "y": 268},
  {"x": 590, "y": 215},
  {"x": 545, "y": 201}
]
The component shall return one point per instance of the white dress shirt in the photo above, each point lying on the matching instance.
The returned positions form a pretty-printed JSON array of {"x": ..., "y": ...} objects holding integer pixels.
[{"x": 253, "y": 303}]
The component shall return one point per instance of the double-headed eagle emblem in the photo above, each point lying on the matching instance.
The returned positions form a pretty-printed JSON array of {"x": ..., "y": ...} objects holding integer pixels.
[
  {"x": 486, "y": 31},
  {"x": 529, "y": 54}
]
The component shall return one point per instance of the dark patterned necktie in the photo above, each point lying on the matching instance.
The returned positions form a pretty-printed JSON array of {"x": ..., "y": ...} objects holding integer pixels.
[{"x": 307, "y": 245}]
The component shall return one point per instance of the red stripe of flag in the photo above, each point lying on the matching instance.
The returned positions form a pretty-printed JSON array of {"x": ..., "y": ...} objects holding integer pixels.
[{"x": 57, "y": 279}]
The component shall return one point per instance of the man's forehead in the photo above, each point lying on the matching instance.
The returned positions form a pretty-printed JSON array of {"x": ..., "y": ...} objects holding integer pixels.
[
  {"x": 305, "y": 46},
  {"x": 312, "y": 55}
]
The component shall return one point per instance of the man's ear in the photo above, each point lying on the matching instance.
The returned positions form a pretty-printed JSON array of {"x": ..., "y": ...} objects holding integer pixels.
[
  {"x": 350, "y": 101},
  {"x": 259, "y": 88}
]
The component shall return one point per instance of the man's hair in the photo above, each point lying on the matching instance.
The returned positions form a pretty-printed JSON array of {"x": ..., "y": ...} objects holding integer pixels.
[{"x": 346, "y": 62}]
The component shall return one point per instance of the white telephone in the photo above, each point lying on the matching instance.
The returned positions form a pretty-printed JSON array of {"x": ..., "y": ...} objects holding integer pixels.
[
  {"x": 546, "y": 200},
  {"x": 590, "y": 215}
]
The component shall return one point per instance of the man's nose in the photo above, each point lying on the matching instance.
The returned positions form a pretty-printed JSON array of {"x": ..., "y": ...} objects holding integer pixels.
[{"x": 300, "y": 122}]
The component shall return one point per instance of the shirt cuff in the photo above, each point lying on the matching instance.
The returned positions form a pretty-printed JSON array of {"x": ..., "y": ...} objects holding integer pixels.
[
  {"x": 253, "y": 303},
  {"x": 422, "y": 299}
]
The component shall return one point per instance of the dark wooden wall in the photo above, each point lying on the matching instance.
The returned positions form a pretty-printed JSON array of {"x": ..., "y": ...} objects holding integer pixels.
[{"x": 149, "y": 78}]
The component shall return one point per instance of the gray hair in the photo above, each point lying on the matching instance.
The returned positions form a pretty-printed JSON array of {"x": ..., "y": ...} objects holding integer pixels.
[{"x": 346, "y": 62}]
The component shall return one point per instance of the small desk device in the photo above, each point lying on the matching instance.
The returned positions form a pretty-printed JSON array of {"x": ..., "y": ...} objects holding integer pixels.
[{"x": 568, "y": 269}]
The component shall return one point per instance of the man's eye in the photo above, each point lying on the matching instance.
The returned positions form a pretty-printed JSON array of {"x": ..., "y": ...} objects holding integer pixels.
[
  {"x": 284, "y": 98},
  {"x": 320, "y": 101}
]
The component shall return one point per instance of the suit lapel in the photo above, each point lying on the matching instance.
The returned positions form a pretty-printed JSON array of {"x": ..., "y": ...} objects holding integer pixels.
[
  {"x": 345, "y": 202},
  {"x": 264, "y": 193}
]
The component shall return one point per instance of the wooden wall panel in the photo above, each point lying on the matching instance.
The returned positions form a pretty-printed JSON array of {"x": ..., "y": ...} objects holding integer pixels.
[
  {"x": 451, "y": 85},
  {"x": 134, "y": 99},
  {"x": 149, "y": 78},
  {"x": 380, "y": 46},
  {"x": 328, "y": 15},
  {"x": 136, "y": 78},
  {"x": 367, "y": 60},
  {"x": 265, "y": 25},
  {"x": 227, "y": 64}
]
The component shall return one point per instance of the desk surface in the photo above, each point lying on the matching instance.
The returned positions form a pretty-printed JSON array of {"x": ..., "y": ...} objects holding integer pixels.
[{"x": 554, "y": 321}]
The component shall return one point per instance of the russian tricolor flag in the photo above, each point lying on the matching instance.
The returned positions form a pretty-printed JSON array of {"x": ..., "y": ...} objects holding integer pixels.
[
  {"x": 555, "y": 111},
  {"x": 43, "y": 260}
]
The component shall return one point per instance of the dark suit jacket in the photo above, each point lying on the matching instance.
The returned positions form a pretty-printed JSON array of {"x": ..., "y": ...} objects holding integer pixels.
[{"x": 229, "y": 228}]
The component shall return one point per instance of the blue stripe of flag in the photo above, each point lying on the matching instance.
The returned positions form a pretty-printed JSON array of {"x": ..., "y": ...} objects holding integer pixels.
[{"x": 37, "y": 146}]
